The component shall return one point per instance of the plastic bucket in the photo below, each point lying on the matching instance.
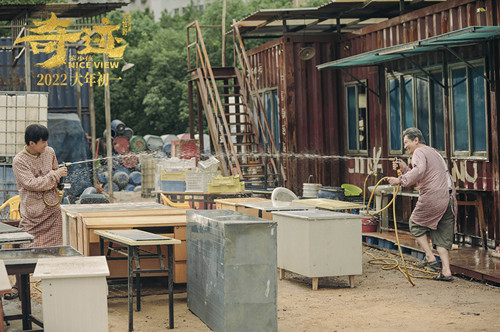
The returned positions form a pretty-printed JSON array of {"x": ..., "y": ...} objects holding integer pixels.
[
  {"x": 369, "y": 224},
  {"x": 310, "y": 190}
]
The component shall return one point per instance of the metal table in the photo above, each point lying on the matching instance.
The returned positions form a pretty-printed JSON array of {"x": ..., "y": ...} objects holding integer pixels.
[
  {"x": 131, "y": 240},
  {"x": 13, "y": 235},
  {"x": 23, "y": 262}
]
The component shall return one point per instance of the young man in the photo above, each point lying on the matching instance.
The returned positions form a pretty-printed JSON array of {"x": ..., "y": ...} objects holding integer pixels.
[
  {"x": 37, "y": 175},
  {"x": 435, "y": 211}
]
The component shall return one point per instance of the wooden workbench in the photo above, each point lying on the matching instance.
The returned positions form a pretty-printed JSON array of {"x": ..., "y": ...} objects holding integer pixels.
[
  {"x": 236, "y": 204},
  {"x": 165, "y": 221},
  {"x": 330, "y": 204}
]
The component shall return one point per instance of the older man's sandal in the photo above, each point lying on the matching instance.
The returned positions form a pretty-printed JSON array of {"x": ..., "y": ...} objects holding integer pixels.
[
  {"x": 441, "y": 277},
  {"x": 433, "y": 266},
  {"x": 14, "y": 293}
]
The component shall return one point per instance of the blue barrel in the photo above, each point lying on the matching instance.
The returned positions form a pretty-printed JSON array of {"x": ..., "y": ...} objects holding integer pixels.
[
  {"x": 128, "y": 133},
  {"x": 121, "y": 179},
  {"x": 336, "y": 193},
  {"x": 167, "y": 148},
  {"x": 102, "y": 176},
  {"x": 122, "y": 169},
  {"x": 135, "y": 178},
  {"x": 129, "y": 187},
  {"x": 118, "y": 127},
  {"x": 115, "y": 187}
]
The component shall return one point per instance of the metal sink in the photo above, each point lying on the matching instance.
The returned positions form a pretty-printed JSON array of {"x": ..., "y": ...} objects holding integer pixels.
[{"x": 380, "y": 188}]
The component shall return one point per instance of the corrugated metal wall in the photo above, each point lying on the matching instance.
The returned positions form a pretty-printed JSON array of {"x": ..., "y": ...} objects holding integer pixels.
[
  {"x": 62, "y": 98},
  {"x": 469, "y": 173},
  {"x": 307, "y": 104}
]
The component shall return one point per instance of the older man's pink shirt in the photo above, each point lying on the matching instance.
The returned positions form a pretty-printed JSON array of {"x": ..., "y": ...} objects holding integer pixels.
[{"x": 430, "y": 174}]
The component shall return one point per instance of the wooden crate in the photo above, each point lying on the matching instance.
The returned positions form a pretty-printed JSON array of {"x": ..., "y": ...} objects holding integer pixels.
[{"x": 168, "y": 222}]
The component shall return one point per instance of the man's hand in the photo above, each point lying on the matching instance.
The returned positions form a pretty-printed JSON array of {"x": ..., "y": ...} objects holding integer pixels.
[
  {"x": 394, "y": 181},
  {"x": 395, "y": 165},
  {"x": 62, "y": 171}
]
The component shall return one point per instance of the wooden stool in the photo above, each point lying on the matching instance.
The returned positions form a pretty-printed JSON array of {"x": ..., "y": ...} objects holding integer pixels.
[{"x": 478, "y": 203}]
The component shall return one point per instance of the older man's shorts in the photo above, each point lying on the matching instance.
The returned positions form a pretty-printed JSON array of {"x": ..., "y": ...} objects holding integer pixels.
[{"x": 443, "y": 235}]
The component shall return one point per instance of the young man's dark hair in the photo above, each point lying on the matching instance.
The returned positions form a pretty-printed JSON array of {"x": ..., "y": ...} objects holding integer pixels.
[{"x": 35, "y": 132}]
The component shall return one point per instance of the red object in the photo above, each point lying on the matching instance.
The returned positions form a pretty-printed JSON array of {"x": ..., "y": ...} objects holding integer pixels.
[
  {"x": 186, "y": 149},
  {"x": 130, "y": 160},
  {"x": 121, "y": 144},
  {"x": 369, "y": 225}
]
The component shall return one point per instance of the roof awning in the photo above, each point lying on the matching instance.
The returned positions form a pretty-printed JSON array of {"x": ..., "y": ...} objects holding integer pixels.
[{"x": 462, "y": 37}]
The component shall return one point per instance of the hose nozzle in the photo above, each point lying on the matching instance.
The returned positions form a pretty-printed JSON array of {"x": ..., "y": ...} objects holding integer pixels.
[{"x": 398, "y": 169}]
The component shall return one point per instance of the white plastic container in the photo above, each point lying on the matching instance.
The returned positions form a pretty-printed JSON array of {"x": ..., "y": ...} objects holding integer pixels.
[{"x": 17, "y": 111}]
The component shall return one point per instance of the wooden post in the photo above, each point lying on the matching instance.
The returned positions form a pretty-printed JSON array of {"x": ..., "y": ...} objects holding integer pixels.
[
  {"x": 107, "y": 112},
  {"x": 92, "y": 125},
  {"x": 223, "y": 33}
]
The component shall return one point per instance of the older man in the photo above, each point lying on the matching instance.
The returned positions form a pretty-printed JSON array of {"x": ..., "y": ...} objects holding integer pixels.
[{"x": 435, "y": 211}]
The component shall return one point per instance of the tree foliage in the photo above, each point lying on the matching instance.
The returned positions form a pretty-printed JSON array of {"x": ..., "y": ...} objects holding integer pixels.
[{"x": 151, "y": 97}]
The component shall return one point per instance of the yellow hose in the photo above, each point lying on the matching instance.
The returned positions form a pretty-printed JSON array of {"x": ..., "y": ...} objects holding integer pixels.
[
  {"x": 388, "y": 264},
  {"x": 52, "y": 204}
]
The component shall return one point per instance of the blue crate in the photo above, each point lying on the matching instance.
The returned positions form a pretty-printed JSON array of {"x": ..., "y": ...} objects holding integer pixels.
[{"x": 177, "y": 186}]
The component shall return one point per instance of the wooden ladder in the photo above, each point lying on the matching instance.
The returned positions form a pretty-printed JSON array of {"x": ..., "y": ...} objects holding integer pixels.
[{"x": 238, "y": 140}]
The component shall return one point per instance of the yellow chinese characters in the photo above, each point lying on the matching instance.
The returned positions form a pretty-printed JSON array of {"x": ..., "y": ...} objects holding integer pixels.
[
  {"x": 51, "y": 42},
  {"x": 52, "y": 37}
]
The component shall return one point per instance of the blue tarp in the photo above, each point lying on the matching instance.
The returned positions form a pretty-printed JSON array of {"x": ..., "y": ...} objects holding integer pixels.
[{"x": 68, "y": 140}]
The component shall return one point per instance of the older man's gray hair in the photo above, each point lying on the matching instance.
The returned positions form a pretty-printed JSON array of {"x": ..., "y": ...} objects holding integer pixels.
[{"x": 413, "y": 133}]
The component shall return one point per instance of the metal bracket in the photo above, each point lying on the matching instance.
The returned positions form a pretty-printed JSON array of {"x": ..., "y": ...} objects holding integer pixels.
[
  {"x": 423, "y": 70},
  {"x": 363, "y": 84},
  {"x": 469, "y": 65}
]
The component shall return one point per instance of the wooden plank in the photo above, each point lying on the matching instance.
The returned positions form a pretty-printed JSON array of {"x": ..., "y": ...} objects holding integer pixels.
[
  {"x": 4, "y": 279},
  {"x": 330, "y": 204},
  {"x": 135, "y": 213},
  {"x": 156, "y": 221},
  {"x": 131, "y": 242}
]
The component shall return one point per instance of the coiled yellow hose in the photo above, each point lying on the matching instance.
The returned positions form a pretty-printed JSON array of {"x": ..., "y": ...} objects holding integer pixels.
[
  {"x": 388, "y": 263},
  {"x": 52, "y": 204}
]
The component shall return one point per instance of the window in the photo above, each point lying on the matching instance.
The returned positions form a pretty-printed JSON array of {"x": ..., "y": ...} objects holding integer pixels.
[
  {"x": 356, "y": 116},
  {"x": 469, "y": 127},
  {"x": 415, "y": 101},
  {"x": 270, "y": 101}
]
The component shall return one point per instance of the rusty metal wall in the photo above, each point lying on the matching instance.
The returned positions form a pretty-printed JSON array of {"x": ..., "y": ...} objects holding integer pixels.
[
  {"x": 468, "y": 173},
  {"x": 307, "y": 103}
]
